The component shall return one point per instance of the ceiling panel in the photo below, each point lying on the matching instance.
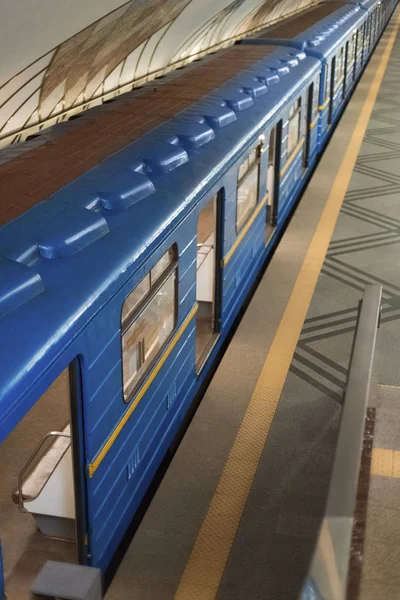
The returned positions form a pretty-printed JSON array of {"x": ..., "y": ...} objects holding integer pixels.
[{"x": 92, "y": 48}]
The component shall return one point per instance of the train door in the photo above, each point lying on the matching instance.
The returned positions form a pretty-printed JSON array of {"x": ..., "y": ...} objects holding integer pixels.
[
  {"x": 367, "y": 38},
  {"x": 309, "y": 113},
  {"x": 208, "y": 278},
  {"x": 274, "y": 145},
  {"x": 354, "y": 53},
  {"x": 42, "y": 507},
  {"x": 346, "y": 68},
  {"x": 332, "y": 89}
]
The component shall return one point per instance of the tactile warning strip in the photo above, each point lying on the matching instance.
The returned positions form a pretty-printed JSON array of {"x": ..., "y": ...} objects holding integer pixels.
[
  {"x": 385, "y": 462},
  {"x": 204, "y": 570}
]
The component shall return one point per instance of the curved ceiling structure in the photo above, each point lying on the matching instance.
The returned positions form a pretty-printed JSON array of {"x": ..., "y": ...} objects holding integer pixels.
[{"x": 67, "y": 56}]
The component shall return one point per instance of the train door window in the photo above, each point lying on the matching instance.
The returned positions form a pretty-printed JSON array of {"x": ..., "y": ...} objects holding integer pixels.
[
  {"x": 353, "y": 53},
  {"x": 360, "y": 42},
  {"x": 294, "y": 126},
  {"x": 347, "y": 66},
  {"x": 332, "y": 88},
  {"x": 309, "y": 118},
  {"x": 40, "y": 472},
  {"x": 271, "y": 168},
  {"x": 340, "y": 66},
  {"x": 208, "y": 278},
  {"x": 326, "y": 83},
  {"x": 148, "y": 320},
  {"x": 273, "y": 179},
  {"x": 247, "y": 187}
]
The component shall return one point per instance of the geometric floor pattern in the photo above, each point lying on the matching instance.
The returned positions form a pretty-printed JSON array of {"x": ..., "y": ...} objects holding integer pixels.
[{"x": 364, "y": 249}]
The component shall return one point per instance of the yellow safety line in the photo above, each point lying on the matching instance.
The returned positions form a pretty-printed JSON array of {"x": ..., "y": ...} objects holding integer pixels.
[
  {"x": 314, "y": 122},
  {"x": 241, "y": 235},
  {"x": 385, "y": 462},
  {"x": 292, "y": 157},
  {"x": 203, "y": 572},
  {"x": 101, "y": 455}
]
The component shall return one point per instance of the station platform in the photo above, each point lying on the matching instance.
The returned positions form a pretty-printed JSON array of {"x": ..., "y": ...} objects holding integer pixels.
[{"x": 238, "y": 512}]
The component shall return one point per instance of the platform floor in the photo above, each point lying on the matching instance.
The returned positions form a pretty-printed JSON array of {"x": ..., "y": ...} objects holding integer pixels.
[{"x": 238, "y": 511}]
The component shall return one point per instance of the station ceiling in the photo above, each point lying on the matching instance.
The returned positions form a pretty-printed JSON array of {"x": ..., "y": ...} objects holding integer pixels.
[{"x": 57, "y": 55}]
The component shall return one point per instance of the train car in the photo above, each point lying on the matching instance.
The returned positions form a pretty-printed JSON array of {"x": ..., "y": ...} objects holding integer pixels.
[
  {"x": 342, "y": 37},
  {"x": 117, "y": 293}
]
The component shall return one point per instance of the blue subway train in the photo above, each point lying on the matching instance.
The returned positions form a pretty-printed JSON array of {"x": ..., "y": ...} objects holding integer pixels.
[{"x": 118, "y": 292}]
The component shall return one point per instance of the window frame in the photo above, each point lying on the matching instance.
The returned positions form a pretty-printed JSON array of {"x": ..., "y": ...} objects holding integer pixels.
[
  {"x": 129, "y": 391},
  {"x": 258, "y": 149},
  {"x": 340, "y": 65},
  {"x": 326, "y": 82},
  {"x": 296, "y": 114},
  {"x": 353, "y": 49}
]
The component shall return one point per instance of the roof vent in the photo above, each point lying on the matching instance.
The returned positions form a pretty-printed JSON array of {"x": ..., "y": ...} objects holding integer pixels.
[
  {"x": 239, "y": 101},
  {"x": 18, "y": 284},
  {"x": 270, "y": 78},
  {"x": 291, "y": 62},
  {"x": 219, "y": 116},
  {"x": 167, "y": 157},
  {"x": 196, "y": 135},
  {"x": 125, "y": 189},
  {"x": 254, "y": 87},
  {"x": 282, "y": 70},
  {"x": 69, "y": 231},
  {"x": 300, "y": 55}
]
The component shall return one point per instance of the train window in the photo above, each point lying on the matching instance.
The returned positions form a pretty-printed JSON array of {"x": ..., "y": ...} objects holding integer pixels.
[
  {"x": 332, "y": 88},
  {"x": 148, "y": 320},
  {"x": 353, "y": 45},
  {"x": 247, "y": 189},
  {"x": 294, "y": 126},
  {"x": 316, "y": 97},
  {"x": 340, "y": 66},
  {"x": 326, "y": 82},
  {"x": 135, "y": 298}
]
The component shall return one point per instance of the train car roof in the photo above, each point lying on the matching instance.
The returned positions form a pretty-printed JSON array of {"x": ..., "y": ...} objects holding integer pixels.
[
  {"x": 363, "y": 3},
  {"x": 63, "y": 259},
  {"x": 298, "y": 24},
  {"x": 324, "y": 37},
  {"x": 368, "y": 4},
  {"x": 320, "y": 38}
]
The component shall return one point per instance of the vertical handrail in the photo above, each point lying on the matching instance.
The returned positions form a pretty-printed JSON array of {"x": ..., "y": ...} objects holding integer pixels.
[
  {"x": 31, "y": 460},
  {"x": 328, "y": 574}
]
